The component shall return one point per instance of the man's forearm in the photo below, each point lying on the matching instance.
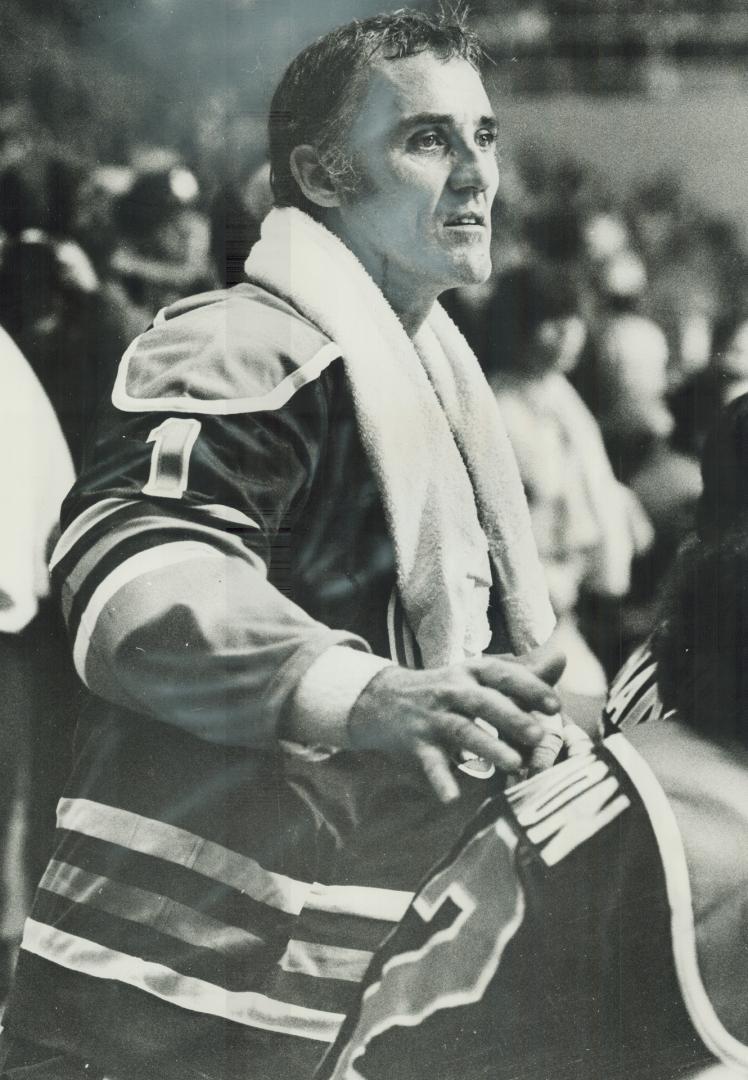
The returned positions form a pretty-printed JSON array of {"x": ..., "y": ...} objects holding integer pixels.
[{"x": 190, "y": 631}]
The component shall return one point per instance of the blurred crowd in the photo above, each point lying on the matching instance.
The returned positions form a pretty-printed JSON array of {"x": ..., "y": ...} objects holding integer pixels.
[{"x": 612, "y": 331}]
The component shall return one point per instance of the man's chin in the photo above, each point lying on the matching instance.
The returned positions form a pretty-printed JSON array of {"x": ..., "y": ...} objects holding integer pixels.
[{"x": 474, "y": 271}]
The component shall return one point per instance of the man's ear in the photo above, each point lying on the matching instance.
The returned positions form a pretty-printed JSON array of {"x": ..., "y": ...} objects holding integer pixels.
[{"x": 312, "y": 177}]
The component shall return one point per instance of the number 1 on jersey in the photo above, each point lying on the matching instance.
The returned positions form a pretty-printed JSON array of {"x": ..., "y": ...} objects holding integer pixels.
[{"x": 170, "y": 461}]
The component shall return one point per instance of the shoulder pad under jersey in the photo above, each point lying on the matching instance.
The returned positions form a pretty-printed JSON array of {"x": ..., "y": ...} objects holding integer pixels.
[{"x": 231, "y": 351}]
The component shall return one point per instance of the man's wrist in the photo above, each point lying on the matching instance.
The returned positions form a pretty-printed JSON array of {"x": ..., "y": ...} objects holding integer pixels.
[{"x": 326, "y": 694}]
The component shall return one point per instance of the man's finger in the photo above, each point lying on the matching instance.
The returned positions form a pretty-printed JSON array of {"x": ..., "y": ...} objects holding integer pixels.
[
  {"x": 436, "y": 766},
  {"x": 500, "y": 711},
  {"x": 518, "y": 681},
  {"x": 467, "y": 735},
  {"x": 546, "y": 752}
]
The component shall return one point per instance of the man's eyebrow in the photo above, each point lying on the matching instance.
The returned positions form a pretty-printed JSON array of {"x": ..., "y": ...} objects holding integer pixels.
[{"x": 443, "y": 120}]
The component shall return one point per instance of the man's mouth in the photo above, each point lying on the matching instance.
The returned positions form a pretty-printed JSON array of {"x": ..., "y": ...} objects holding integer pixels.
[{"x": 463, "y": 220}]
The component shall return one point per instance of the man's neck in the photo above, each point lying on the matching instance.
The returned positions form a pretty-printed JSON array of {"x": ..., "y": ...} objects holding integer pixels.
[
  {"x": 411, "y": 317},
  {"x": 410, "y": 303}
]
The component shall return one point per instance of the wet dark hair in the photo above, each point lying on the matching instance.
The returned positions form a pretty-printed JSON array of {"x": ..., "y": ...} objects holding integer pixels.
[
  {"x": 319, "y": 90},
  {"x": 724, "y": 472},
  {"x": 701, "y": 641}
]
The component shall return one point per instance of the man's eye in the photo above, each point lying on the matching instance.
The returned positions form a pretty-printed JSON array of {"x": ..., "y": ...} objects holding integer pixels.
[
  {"x": 428, "y": 140},
  {"x": 486, "y": 137}
]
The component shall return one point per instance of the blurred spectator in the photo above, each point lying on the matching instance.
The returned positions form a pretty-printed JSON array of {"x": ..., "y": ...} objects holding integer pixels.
[
  {"x": 587, "y": 526},
  {"x": 36, "y": 474},
  {"x": 701, "y": 638},
  {"x": 162, "y": 247},
  {"x": 94, "y": 212},
  {"x": 52, "y": 305},
  {"x": 731, "y": 358},
  {"x": 233, "y": 232},
  {"x": 605, "y": 236},
  {"x": 236, "y": 214},
  {"x": 685, "y": 272},
  {"x": 723, "y": 380},
  {"x": 555, "y": 234},
  {"x": 637, "y": 423},
  {"x": 721, "y": 518},
  {"x": 620, "y": 281},
  {"x": 624, "y": 382},
  {"x": 684, "y": 302},
  {"x": 19, "y": 207}
]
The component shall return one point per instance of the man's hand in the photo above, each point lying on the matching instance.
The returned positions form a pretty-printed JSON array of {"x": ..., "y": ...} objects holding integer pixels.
[{"x": 430, "y": 714}]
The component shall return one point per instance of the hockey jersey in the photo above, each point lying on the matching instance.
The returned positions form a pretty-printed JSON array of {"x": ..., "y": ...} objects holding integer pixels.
[
  {"x": 215, "y": 895},
  {"x": 588, "y": 926},
  {"x": 634, "y": 696}
]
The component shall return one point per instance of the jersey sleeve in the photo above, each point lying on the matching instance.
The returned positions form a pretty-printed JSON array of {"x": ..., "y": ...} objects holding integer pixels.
[
  {"x": 634, "y": 695},
  {"x": 186, "y": 504}
]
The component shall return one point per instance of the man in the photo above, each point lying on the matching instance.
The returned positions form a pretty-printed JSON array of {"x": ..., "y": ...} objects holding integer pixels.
[
  {"x": 592, "y": 923},
  {"x": 300, "y": 495}
]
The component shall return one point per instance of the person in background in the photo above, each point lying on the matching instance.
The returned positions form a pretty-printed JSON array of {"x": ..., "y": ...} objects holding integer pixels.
[
  {"x": 731, "y": 357},
  {"x": 723, "y": 380},
  {"x": 623, "y": 379},
  {"x": 587, "y": 526},
  {"x": 52, "y": 305},
  {"x": 237, "y": 211},
  {"x": 37, "y": 473},
  {"x": 625, "y": 384},
  {"x": 722, "y": 508},
  {"x": 162, "y": 250},
  {"x": 51, "y": 298}
]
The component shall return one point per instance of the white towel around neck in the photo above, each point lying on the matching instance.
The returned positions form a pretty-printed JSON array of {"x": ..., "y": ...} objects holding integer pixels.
[{"x": 433, "y": 436}]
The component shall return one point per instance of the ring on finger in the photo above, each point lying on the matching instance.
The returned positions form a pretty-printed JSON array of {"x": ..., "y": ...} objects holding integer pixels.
[{"x": 473, "y": 764}]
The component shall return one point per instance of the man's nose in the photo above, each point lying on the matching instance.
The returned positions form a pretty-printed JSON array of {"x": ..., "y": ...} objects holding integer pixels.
[{"x": 473, "y": 167}]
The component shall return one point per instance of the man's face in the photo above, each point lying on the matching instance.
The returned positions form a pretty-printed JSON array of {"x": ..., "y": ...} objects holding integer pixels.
[{"x": 423, "y": 145}]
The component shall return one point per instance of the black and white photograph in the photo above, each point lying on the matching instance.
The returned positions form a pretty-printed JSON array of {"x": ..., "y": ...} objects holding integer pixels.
[{"x": 374, "y": 546}]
